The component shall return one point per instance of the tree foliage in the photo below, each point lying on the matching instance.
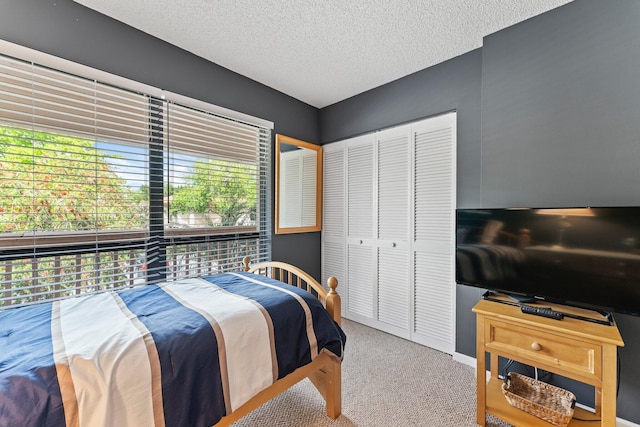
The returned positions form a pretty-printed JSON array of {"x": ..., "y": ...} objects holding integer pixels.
[
  {"x": 57, "y": 183},
  {"x": 224, "y": 189},
  {"x": 50, "y": 182}
]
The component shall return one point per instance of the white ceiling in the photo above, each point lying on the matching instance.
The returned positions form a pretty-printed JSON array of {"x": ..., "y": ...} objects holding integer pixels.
[{"x": 323, "y": 51}]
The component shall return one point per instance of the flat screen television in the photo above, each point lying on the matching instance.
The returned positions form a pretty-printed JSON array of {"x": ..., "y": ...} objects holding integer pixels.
[{"x": 585, "y": 257}]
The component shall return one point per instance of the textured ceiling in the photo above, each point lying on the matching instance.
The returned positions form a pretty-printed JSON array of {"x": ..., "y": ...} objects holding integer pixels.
[{"x": 323, "y": 51}]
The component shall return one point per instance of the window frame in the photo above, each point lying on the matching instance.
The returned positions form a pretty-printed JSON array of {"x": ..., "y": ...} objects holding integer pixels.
[{"x": 36, "y": 244}]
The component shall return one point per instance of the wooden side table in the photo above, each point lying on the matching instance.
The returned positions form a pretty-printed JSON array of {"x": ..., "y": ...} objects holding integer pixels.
[{"x": 576, "y": 349}]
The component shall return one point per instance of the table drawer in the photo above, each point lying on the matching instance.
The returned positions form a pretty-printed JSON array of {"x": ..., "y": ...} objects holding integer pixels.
[{"x": 544, "y": 349}]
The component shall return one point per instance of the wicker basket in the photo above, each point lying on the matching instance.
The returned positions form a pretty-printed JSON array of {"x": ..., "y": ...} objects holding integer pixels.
[{"x": 552, "y": 404}]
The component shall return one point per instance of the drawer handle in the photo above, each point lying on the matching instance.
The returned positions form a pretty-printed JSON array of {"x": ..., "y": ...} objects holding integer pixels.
[{"x": 536, "y": 346}]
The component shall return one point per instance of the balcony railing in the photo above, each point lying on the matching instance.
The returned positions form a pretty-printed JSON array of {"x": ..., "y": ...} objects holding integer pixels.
[{"x": 26, "y": 280}]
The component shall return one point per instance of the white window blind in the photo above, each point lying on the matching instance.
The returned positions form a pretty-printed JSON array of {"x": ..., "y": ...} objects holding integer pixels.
[
  {"x": 103, "y": 187},
  {"x": 216, "y": 174},
  {"x": 212, "y": 171}
]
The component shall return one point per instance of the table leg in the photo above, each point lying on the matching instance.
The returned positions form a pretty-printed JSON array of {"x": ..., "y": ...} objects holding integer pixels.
[{"x": 481, "y": 375}]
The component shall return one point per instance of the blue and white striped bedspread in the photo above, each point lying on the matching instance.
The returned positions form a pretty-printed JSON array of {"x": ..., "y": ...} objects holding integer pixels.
[{"x": 177, "y": 354}]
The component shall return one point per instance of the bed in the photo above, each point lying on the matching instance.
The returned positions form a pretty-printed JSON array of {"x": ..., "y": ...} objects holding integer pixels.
[{"x": 197, "y": 352}]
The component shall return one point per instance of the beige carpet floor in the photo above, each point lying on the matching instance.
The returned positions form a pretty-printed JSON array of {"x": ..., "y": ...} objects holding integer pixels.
[{"x": 386, "y": 381}]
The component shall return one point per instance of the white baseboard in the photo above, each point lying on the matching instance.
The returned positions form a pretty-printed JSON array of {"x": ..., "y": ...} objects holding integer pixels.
[
  {"x": 464, "y": 359},
  {"x": 471, "y": 361},
  {"x": 624, "y": 423},
  {"x": 619, "y": 421}
]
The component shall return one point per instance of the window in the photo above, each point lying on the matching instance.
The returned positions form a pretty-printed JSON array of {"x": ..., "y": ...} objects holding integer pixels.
[
  {"x": 211, "y": 171},
  {"x": 106, "y": 186}
]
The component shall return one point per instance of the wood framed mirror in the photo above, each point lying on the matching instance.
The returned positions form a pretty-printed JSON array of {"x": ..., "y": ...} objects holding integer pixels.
[{"x": 298, "y": 186}]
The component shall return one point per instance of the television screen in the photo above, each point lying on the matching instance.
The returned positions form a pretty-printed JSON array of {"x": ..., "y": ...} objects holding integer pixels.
[{"x": 586, "y": 257}]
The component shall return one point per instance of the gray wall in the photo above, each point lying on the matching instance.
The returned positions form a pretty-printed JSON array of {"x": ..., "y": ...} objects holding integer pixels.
[
  {"x": 561, "y": 125},
  {"x": 452, "y": 85},
  {"x": 71, "y": 31},
  {"x": 561, "y": 108}
]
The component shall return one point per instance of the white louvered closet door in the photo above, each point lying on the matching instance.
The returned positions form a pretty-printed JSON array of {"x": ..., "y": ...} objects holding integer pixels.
[
  {"x": 360, "y": 214},
  {"x": 393, "y": 179},
  {"x": 333, "y": 217},
  {"x": 434, "y": 239},
  {"x": 388, "y": 226}
]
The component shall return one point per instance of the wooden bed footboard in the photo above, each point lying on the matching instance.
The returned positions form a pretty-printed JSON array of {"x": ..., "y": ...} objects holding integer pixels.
[
  {"x": 325, "y": 371},
  {"x": 296, "y": 277}
]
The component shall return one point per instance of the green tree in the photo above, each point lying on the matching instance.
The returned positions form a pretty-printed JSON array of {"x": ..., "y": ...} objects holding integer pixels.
[
  {"x": 57, "y": 183},
  {"x": 142, "y": 195},
  {"x": 218, "y": 187}
]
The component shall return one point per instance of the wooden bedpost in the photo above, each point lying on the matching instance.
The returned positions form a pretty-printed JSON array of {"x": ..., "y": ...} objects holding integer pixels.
[
  {"x": 328, "y": 380},
  {"x": 333, "y": 384},
  {"x": 246, "y": 261},
  {"x": 333, "y": 304}
]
